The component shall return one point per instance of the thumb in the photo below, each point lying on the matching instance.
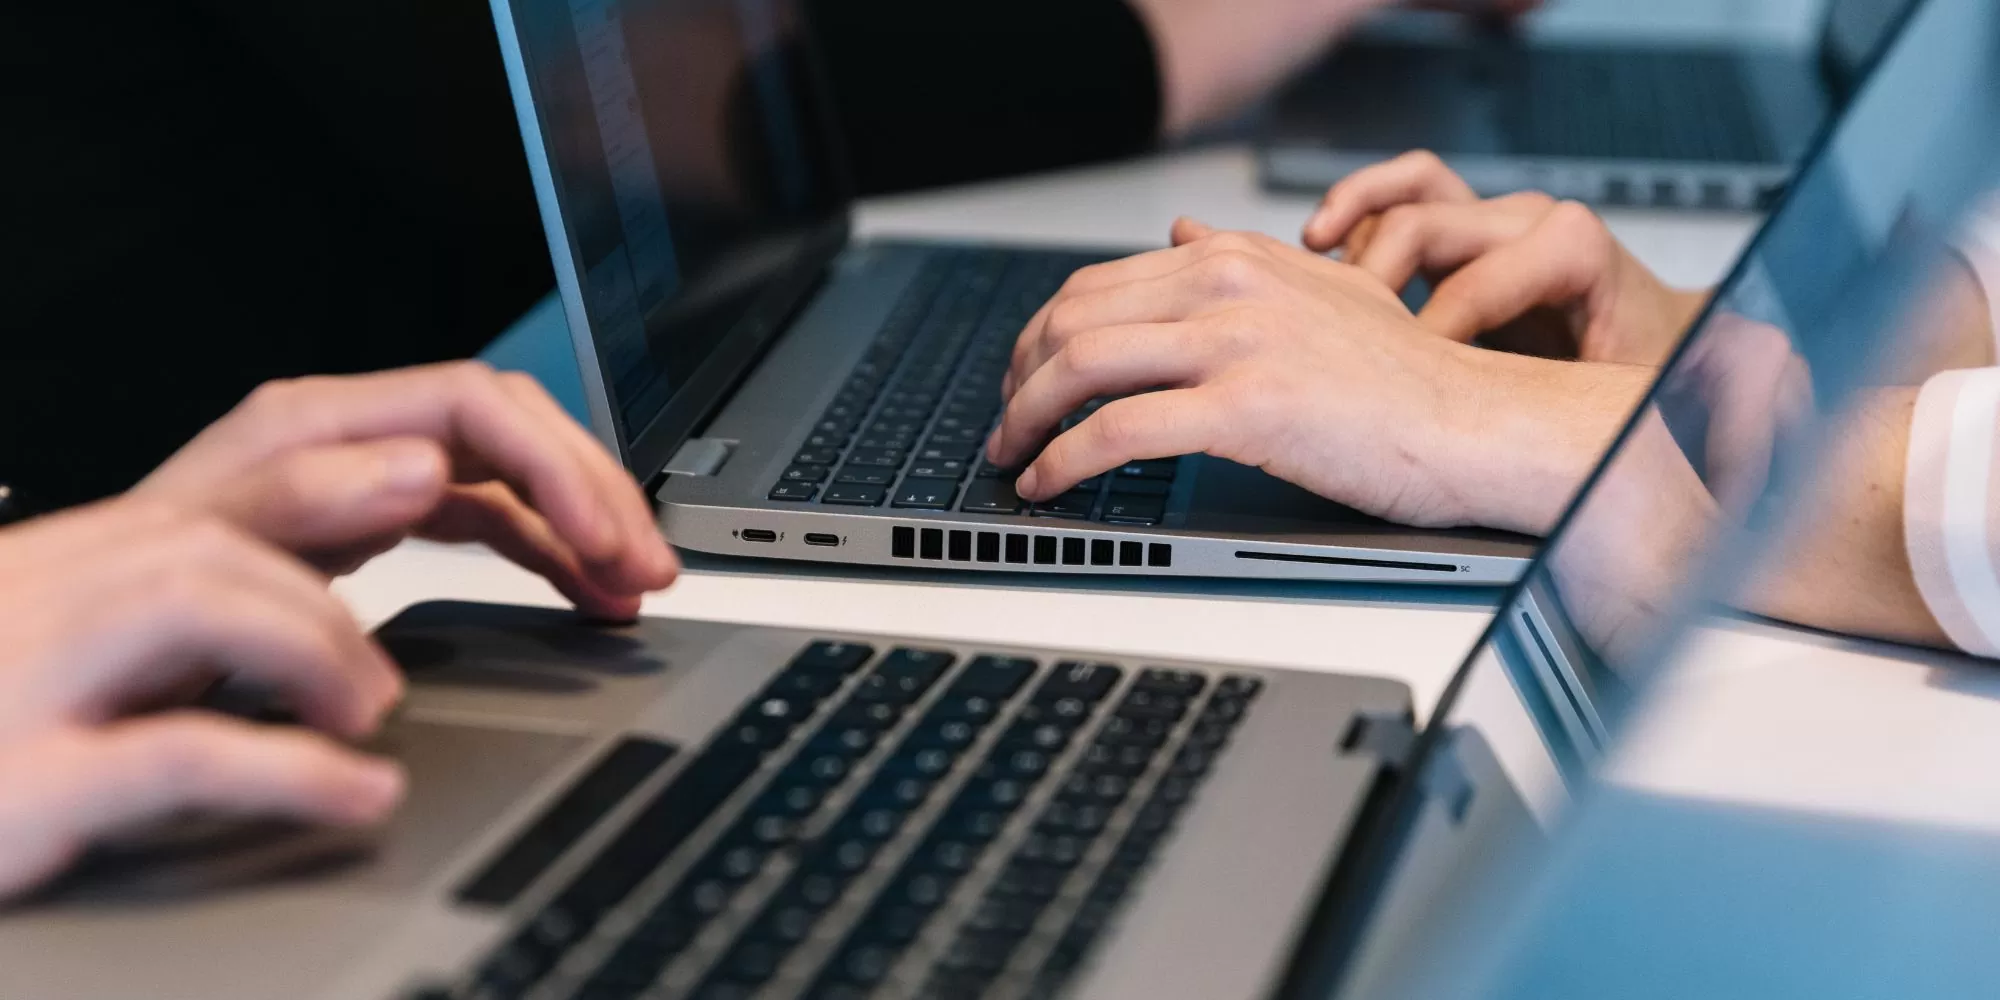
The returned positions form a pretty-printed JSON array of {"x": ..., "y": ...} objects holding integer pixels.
[
  {"x": 336, "y": 496},
  {"x": 1188, "y": 230}
]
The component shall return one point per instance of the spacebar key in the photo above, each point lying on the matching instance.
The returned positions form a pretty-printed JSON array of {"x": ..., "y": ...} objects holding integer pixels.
[
  {"x": 991, "y": 496},
  {"x": 658, "y": 829}
]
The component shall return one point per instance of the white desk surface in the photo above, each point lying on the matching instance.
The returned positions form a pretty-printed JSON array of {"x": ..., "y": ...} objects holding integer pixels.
[{"x": 1768, "y": 717}]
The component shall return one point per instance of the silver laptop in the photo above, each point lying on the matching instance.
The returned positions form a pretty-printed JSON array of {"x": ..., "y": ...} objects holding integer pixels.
[
  {"x": 682, "y": 809},
  {"x": 1612, "y": 122},
  {"x": 789, "y": 393}
]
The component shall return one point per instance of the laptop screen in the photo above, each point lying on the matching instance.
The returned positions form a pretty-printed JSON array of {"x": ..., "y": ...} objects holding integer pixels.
[
  {"x": 1824, "y": 311},
  {"x": 684, "y": 169}
]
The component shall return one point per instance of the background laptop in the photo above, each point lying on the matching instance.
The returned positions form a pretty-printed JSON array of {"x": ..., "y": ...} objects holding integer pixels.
[
  {"x": 1610, "y": 122},
  {"x": 788, "y": 393},
  {"x": 683, "y": 809}
]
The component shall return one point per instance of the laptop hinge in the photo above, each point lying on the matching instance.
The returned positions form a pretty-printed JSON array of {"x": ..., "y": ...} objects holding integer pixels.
[
  {"x": 699, "y": 457},
  {"x": 1388, "y": 738},
  {"x": 1392, "y": 739}
]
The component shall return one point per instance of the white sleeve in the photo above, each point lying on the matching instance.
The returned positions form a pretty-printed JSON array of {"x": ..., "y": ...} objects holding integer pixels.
[{"x": 1979, "y": 243}]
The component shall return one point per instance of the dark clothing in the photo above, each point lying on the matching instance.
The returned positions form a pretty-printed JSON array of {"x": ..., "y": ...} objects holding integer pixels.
[{"x": 205, "y": 194}]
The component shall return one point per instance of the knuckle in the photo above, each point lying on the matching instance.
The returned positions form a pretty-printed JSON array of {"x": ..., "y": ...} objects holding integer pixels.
[
  {"x": 173, "y": 755},
  {"x": 1065, "y": 320},
  {"x": 1230, "y": 272},
  {"x": 1574, "y": 217},
  {"x": 1426, "y": 160},
  {"x": 1117, "y": 428}
]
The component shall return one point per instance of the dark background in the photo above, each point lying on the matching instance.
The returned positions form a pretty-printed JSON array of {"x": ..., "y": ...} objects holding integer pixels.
[{"x": 205, "y": 194}]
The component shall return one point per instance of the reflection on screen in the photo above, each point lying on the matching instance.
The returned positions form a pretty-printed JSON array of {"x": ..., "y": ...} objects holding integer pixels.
[
  {"x": 1829, "y": 314},
  {"x": 686, "y": 171}
]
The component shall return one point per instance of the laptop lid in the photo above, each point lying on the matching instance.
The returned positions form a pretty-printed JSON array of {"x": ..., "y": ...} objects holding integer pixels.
[
  {"x": 1814, "y": 316},
  {"x": 691, "y": 186},
  {"x": 1855, "y": 32}
]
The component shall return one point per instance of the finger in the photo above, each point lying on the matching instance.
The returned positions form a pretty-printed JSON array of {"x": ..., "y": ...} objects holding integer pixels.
[
  {"x": 648, "y": 562},
  {"x": 1412, "y": 177},
  {"x": 1551, "y": 266},
  {"x": 1163, "y": 299},
  {"x": 491, "y": 514},
  {"x": 1221, "y": 268},
  {"x": 1155, "y": 425},
  {"x": 1112, "y": 361},
  {"x": 1188, "y": 230},
  {"x": 1433, "y": 238},
  {"x": 1096, "y": 277},
  {"x": 87, "y": 785},
  {"x": 210, "y": 599},
  {"x": 462, "y": 406},
  {"x": 332, "y": 497}
]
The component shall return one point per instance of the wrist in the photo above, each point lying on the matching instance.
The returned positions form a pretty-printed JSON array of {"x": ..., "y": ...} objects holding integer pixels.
[{"x": 1520, "y": 434}]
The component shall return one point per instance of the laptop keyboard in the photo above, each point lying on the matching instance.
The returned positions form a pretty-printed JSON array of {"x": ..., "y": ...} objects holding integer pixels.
[
  {"x": 908, "y": 430},
  {"x": 931, "y": 824},
  {"x": 1637, "y": 104}
]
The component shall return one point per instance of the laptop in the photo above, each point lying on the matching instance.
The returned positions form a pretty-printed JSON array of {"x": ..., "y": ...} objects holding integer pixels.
[
  {"x": 1611, "y": 122},
  {"x": 688, "y": 809},
  {"x": 787, "y": 392}
]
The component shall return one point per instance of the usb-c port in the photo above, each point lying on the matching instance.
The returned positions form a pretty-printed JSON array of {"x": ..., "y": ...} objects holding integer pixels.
[
  {"x": 759, "y": 535},
  {"x": 821, "y": 538}
]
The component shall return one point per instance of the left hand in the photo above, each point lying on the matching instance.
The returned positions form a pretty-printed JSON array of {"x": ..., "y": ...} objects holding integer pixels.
[
  {"x": 1547, "y": 275},
  {"x": 340, "y": 469}
]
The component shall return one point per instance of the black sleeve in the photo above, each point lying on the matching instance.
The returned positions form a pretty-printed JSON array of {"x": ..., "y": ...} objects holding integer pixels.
[{"x": 934, "y": 92}]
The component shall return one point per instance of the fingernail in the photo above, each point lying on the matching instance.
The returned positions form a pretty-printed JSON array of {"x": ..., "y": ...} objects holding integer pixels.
[
  {"x": 378, "y": 787},
  {"x": 411, "y": 469},
  {"x": 1025, "y": 486}
]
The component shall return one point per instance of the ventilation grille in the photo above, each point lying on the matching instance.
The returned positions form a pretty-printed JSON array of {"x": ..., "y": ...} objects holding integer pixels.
[{"x": 1024, "y": 548}]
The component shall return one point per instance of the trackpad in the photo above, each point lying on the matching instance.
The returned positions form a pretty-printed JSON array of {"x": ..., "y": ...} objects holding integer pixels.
[
  {"x": 462, "y": 778},
  {"x": 1229, "y": 496}
]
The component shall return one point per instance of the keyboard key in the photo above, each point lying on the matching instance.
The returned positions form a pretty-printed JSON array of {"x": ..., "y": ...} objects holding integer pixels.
[
  {"x": 882, "y": 458},
  {"x": 1130, "y": 487},
  {"x": 1089, "y": 682},
  {"x": 886, "y": 442},
  {"x": 1074, "y": 505},
  {"x": 862, "y": 475},
  {"x": 938, "y": 451},
  {"x": 1185, "y": 683},
  {"x": 806, "y": 474},
  {"x": 816, "y": 456},
  {"x": 927, "y": 494},
  {"x": 572, "y": 815},
  {"x": 938, "y": 470},
  {"x": 795, "y": 492},
  {"x": 1126, "y": 509},
  {"x": 996, "y": 677},
  {"x": 991, "y": 496},
  {"x": 1161, "y": 469},
  {"x": 826, "y": 439},
  {"x": 850, "y": 495}
]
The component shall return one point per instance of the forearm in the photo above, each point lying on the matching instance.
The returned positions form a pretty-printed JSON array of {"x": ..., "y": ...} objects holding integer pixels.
[
  {"x": 1847, "y": 567},
  {"x": 1215, "y": 56}
]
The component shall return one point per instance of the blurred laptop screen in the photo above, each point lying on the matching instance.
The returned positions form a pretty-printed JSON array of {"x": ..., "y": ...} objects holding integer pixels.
[{"x": 692, "y": 164}]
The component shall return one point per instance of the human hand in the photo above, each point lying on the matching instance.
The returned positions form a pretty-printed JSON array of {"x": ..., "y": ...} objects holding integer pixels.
[
  {"x": 128, "y": 606},
  {"x": 1535, "y": 270},
  {"x": 340, "y": 469},
  {"x": 1270, "y": 356}
]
